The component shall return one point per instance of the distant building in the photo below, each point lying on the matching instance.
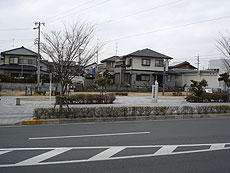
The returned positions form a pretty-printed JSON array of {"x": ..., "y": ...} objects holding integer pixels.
[{"x": 222, "y": 64}]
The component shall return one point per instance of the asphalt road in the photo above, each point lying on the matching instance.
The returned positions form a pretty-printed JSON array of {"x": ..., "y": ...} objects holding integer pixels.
[{"x": 201, "y": 145}]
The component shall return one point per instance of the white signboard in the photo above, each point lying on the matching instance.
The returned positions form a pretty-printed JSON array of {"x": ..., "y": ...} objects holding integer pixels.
[{"x": 155, "y": 92}]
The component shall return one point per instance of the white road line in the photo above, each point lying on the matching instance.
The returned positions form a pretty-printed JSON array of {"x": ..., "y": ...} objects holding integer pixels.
[
  {"x": 35, "y": 160},
  {"x": 107, "y": 153},
  {"x": 165, "y": 150},
  {"x": 95, "y": 135},
  {"x": 3, "y": 152},
  {"x": 106, "y": 147}
]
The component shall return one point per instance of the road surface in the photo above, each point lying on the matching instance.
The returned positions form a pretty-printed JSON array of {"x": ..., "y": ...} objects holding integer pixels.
[{"x": 201, "y": 145}]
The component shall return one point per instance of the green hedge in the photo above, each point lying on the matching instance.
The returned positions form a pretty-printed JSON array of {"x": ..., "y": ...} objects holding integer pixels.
[
  {"x": 208, "y": 97},
  {"x": 90, "y": 112},
  {"x": 86, "y": 99},
  {"x": 121, "y": 94}
]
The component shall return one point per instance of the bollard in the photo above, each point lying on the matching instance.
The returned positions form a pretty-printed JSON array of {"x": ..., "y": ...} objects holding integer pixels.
[{"x": 17, "y": 101}]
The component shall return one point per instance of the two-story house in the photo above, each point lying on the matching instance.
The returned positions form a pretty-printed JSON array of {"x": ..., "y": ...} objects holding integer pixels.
[
  {"x": 140, "y": 68},
  {"x": 19, "y": 62},
  {"x": 109, "y": 64}
]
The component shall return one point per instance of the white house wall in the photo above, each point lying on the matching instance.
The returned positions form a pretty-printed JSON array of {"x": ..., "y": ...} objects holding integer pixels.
[{"x": 211, "y": 78}]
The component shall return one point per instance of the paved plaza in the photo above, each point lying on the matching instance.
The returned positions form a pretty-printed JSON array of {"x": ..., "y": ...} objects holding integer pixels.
[{"x": 10, "y": 113}]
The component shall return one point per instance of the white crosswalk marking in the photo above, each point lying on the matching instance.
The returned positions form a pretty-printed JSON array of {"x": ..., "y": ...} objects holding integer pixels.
[
  {"x": 3, "y": 152},
  {"x": 217, "y": 146},
  {"x": 165, "y": 150},
  {"x": 107, "y": 153},
  {"x": 42, "y": 157}
]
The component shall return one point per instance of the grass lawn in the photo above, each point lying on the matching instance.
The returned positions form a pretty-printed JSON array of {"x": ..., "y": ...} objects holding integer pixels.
[{"x": 38, "y": 99}]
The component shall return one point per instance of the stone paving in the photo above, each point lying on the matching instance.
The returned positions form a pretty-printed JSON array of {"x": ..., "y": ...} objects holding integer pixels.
[{"x": 10, "y": 113}]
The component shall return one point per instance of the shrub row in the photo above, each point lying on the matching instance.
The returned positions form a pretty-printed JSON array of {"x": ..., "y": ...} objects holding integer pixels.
[
  {"x": 209, "y": 97},
  {"x": 90, "y": 112},
  {"x": 121, "y": 94},
  {"x": 86, "y": 99},
  {"x": 40, "y": 92}
]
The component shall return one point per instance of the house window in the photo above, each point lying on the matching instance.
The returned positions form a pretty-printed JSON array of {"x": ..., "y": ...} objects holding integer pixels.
[
  {"x": 145, "y": 62},
  {"x": 159, "y": 63},
  {"x": 23, "y": 61},
  {"x": 142, "y": 77},
  {"x": 130, "y": 61},
  {"x": 145, "y": 77},
  {"x": 138, "y": 77},
  {"x": 169, "y": 78},
  {"x": 31, "y": 61},
  {"x": 13, "y": 60}
]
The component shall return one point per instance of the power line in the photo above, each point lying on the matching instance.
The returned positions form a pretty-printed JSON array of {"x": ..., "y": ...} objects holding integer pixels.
[
  {"x": 18, "y": 39},
  {"x": 15, "y": 29},
  {"x": 101, "y": 3},
  {"x": 141, "y": 11},
  {"x": 71, "y": 9},
  {"x": 168, "y": 28}
]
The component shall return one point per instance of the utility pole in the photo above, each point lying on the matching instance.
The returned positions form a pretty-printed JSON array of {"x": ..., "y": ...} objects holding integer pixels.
[
  {"x": 13, "y": 42},
  {"x": 97, "y": 57},
  {"x": 198, "y": 62},
  {"x": 38, "y": 27},
  {"x": 163, "y": 88}
]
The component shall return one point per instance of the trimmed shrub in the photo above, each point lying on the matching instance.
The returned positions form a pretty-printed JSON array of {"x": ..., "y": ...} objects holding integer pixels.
[
  {"x": 160, "y": 110},
  {"x": 121, "y": 94},
  {"x": 192, "y": 99},
  {"x": 40, "y": 92},
  {"x": 87, "y": 112},
  {"x": 86, "y": 99},
  {"x": 208, "y": 97}
]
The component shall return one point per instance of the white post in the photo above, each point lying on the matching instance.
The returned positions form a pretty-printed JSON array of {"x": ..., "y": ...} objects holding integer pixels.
[
  {"x": 155, "y": 92},
  {"x": 50, "y": 86}
]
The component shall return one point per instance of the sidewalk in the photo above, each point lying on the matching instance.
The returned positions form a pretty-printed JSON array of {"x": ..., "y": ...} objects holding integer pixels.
[{"x": 10, "y": 113}]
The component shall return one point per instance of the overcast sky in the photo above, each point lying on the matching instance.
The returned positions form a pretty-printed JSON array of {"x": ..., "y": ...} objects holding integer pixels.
[{"x": 181, "y": 29}]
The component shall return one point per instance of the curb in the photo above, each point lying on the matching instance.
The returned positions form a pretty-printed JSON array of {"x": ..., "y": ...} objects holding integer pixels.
[
  {"x": 28, "y": 122},
  {"x": 134, "y": 118}
]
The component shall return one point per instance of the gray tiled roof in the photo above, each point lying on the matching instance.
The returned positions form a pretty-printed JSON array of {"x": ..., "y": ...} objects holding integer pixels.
[
  {"x": 20, "y": 51},
  {"x": 148, "y": 53},
  {"x": 176, "y": 64},
  {"x": 111, "y": 59}
]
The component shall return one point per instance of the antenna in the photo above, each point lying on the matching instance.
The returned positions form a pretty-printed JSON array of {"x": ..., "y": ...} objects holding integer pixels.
[
  {"x": 13, "y": 42},
  {"x": 116, "y": 49}
]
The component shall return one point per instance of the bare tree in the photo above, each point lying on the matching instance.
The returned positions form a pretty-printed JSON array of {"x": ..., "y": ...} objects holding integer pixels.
[
  {"x": 223, "y": 45},
  {"x": 72, "y": 45}
]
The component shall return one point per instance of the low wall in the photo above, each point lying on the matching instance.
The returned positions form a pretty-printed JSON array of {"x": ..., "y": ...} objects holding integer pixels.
[{"x": 5, "y": 86}]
